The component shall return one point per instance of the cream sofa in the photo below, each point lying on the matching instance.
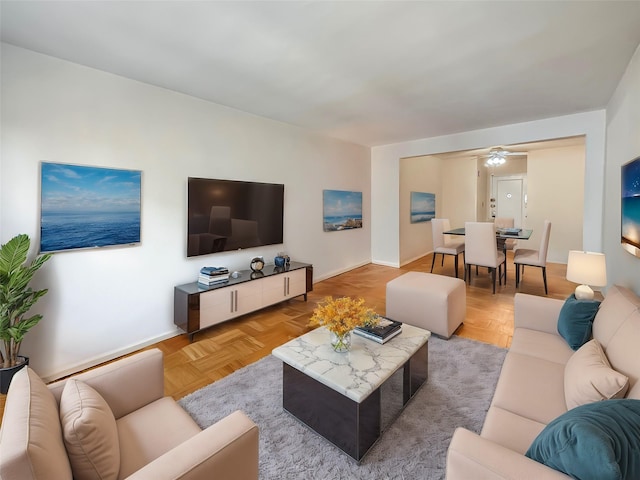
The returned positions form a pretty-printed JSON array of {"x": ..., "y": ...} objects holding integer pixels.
[
  {"x": 531, "y": 388},
  {"x": 114, "y": 422}
]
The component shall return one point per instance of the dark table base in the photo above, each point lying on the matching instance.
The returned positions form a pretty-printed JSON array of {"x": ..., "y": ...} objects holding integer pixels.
[{"x": 351, "y": 426}]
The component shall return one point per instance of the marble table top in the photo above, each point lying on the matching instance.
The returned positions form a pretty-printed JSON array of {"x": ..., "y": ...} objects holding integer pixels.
[{"x": 358, "y": 372}]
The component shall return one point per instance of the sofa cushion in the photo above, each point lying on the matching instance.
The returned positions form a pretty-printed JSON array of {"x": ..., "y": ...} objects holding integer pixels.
[
  {"x": 618, "y": 304},
  {"x": 546, "y": 346},
  {"x": 90, "y": 433},
  {"x": 617, "y": 328},
  {"x": 588, "y": 377},
  {"x": 150, "y": 432},
  {"x": 597, "y": 441},
  {"x": 624, "y": 355},
  {"x": 531, "y": 387},
  {"x": 575, "y": 320},
  {"x": 31, "y": 445},
  {"x": 510, "y": 430}
]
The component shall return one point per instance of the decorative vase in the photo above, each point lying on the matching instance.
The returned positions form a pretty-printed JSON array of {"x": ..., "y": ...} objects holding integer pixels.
[{"x": 341, "y": 343}]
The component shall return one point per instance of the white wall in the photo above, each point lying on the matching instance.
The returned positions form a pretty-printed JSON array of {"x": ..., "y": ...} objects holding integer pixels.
[
  {"x": 418, "y": 174},
  {"x": 459, "y": 190},
  {"x": 513, "y": 166},
  {"x": 623, "y": 145},
  {"x": 102, "y": 303},
  {"x": 452, "y": 181},
  {"x": 555, "y": 188},
  {"x": 385, "y": 172}
]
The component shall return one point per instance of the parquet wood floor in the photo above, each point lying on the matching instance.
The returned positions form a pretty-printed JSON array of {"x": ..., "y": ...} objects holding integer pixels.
[{"x": 224, "y": 348}]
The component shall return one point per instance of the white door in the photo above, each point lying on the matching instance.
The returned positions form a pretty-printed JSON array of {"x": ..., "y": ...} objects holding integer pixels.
[{"x": 509, "y": 199}]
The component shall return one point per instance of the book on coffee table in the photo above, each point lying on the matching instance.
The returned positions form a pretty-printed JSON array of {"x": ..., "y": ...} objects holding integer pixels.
[{"x": 384, "y": 331}]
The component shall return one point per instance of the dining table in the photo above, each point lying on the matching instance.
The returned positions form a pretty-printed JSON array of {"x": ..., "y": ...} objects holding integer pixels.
[{"x": 502, "y": 234}]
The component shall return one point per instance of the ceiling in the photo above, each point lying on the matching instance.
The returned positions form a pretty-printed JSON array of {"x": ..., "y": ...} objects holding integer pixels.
[{"x": 371, "y": 73}]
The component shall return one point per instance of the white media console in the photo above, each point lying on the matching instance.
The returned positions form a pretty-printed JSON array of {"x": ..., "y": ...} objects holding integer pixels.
[{"x": 196, "y": 307}]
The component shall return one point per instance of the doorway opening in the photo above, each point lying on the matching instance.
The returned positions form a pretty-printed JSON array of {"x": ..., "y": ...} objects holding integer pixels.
[{"x": 508, "y": 198}]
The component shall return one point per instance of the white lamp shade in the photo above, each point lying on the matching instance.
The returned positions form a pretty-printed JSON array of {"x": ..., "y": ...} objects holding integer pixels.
[{"x": 587, "y": 268}]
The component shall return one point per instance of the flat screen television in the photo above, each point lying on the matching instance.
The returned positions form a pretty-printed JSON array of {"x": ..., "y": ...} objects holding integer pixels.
[
  {"x": 227, "y": 215},
  {"x": 630, "y": 207}
]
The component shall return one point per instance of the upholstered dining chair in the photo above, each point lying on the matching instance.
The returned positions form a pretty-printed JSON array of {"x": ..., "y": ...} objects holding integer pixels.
[
  {"x": 534, "y": 258},
  {"x": 506, "y": 222},
  {"x": 442, "y": 245},
  {"x": 481, "y": 250}
]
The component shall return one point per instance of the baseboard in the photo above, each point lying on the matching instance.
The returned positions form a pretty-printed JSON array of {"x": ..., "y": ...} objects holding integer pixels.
[
  {"x": 339, "y": 272},
  {"x": 107, "y": 357},
  {"x": 404, "y": 262},
  {"x": 386, "y": 264}
]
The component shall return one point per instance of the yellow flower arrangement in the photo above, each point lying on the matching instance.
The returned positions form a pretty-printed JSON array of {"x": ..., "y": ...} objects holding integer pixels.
[{"x": 342, "y": 315}]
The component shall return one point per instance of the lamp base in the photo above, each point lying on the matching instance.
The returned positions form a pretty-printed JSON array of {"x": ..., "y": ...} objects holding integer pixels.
[{"x": 584, "y": 292}]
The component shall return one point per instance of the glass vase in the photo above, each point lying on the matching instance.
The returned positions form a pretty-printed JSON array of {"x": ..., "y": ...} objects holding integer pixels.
[{"x": 341, "y": 343}]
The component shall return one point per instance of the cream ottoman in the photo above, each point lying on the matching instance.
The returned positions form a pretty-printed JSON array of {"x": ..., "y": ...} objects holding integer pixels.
[{"x": 434, "y": 302}]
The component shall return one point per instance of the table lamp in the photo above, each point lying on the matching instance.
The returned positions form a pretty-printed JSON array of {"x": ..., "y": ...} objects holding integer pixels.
[{"x": 586, "y": 268}]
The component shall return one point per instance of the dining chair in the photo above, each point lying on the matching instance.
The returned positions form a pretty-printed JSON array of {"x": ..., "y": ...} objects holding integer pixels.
[
  {"x": 442, "y": 245},
  {"x": 481, "y": 250},
  {"x": 534, "y": 258},
  {"x": 506, "y": 222}
]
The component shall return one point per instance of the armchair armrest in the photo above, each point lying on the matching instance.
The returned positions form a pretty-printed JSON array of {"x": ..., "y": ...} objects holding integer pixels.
[
  {"x": 226, "y": 450},
  {"x": 472, "y": 456},
  {"x": 536, "y": 313},
  {"x": 127, "y": 384}
]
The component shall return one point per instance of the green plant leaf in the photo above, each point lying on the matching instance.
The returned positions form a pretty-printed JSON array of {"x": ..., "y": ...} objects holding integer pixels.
[
  {"x": 16, "y": 297},
  {"x": 20, "y": 328},
  {"x": 14, "y": 253}
]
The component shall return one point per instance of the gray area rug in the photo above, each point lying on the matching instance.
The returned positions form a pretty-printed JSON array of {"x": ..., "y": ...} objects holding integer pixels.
[{"x": 462, "y": 377}]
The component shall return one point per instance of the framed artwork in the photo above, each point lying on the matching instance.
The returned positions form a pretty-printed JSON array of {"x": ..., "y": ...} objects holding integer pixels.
[
  {"x": 423, "y": 207},
  {"x": 342, "y": 210},
  {"x": 88, "y": 207},
  {"x": 630, "y": 207}
]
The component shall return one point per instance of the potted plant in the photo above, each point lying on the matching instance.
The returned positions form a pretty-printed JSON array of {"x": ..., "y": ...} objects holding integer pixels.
[
  {"x": 340, "y": 316},
  {"x": 16, "y": 298}
]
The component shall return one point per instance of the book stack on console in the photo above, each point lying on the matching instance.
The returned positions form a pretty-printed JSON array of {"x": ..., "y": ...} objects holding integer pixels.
[
  {"x": 384, "y": 331},
  {"x": 213, "y": 275}
]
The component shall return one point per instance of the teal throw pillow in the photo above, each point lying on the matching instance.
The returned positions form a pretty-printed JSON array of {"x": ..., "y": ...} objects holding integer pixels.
[
  {"x": 596, "y": 441},
  {"x": 575, "y": 320}
]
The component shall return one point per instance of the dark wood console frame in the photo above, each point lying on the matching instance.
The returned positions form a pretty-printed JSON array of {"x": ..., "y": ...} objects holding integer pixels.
[{"x": 186, "y": 299}]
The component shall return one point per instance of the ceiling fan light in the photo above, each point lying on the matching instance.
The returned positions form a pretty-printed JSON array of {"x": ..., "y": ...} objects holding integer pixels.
[
  {"x": 498, "y": 156},
  {"x": 495, "y": 158}
]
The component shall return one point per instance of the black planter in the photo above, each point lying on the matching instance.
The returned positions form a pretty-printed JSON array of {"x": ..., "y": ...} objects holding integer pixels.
[{"x": 6, "y": 374}]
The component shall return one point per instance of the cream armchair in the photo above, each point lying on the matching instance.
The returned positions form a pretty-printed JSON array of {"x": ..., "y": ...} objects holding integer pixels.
[{"x": 115, "y": 422}]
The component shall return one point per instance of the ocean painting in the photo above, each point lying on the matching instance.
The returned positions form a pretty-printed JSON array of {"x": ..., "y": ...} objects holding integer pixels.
[
  {"x": 631, "y": 203},
  {"x": 423, "y": 207},
  {"x": 88, "y": 207},
  {"x": 342, "y": 210}
]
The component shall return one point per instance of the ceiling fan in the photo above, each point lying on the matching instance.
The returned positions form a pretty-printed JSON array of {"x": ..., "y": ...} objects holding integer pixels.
[{"x": 498, "y": 155}]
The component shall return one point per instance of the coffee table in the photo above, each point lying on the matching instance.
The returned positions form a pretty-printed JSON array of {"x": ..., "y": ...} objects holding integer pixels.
[{"x": 351, "y": 398}]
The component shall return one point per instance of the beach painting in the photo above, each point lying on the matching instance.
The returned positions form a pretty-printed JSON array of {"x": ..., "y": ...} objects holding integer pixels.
[
  {"x": 88, "y": 207},
  {"x": 342, "y": 210},
  {"x": 423, "y": 207},
  {"x": 630, "y": 221}
]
